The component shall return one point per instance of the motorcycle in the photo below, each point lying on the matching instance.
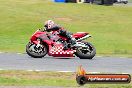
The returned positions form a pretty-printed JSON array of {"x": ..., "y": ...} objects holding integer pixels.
[{"x": 43, "y": 42}]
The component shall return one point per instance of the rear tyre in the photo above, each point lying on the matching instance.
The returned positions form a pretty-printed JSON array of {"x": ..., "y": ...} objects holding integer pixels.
[
  {"x": 86, "y": 53},
  {"x": 36, "y": 52},
  {"x": 125, "y": 2}
]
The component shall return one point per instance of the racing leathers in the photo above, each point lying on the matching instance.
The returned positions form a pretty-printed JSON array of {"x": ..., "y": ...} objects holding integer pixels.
[{"x": 64, "y": 33}]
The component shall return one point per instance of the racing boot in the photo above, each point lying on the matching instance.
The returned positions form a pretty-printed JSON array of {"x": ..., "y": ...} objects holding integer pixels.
[
  {"x": 65, "y": 46},
  {"x": 74, "y": 43}
]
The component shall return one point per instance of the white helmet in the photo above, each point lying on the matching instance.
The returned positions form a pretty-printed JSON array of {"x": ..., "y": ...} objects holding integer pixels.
[{"x": 49, "y": 24}]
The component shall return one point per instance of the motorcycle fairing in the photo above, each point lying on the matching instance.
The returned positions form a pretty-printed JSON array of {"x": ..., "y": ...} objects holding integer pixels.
[
  {"x": 57, "y": 51},
  {"x": 36, "y": 35},
  {"x": 55, "y": 48},
  {"x": 46, "y": 39},
  {"x": 80, "y": 34}
]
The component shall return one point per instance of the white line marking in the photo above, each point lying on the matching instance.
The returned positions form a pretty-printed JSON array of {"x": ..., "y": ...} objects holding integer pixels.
[
  {"x": 59, "y": 71},
  {"x": 73, "y": 57},
  {"x": 37, "y": 70},
  {"x": 94, "y": 72},
  {"x": 124, "y": 73},
  {"x": 1, "y": 52},
  {"x": 19, "y": 53},
  {"x": 99, "y": 56},
  {"x": 123, "y": 57},
  {"x": 64, "y": 71},
  {"x": 29, "y": 70},
  {"x": 1, "y": 69}
]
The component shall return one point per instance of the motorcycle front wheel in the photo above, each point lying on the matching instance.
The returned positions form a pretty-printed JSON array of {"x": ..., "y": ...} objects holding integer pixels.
[
  {"x": 87, "y": 52},
  {"x": 36, "y": 51}
]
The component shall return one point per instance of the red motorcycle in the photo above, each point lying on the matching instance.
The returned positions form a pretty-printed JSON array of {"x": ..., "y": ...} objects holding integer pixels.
[{"x": 42, "y": 43}]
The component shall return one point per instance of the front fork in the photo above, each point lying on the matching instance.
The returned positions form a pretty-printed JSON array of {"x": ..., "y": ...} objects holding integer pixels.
[{"x": 36, "y": 44}]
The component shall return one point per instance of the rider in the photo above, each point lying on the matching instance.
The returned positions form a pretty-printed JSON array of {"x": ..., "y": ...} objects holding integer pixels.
[{"x": 51, "y": 26}]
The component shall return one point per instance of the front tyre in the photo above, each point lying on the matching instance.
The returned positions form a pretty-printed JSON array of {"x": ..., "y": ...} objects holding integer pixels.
[
  {"x": 86, "y": 53},
  {"x": 36, "y": 51}
]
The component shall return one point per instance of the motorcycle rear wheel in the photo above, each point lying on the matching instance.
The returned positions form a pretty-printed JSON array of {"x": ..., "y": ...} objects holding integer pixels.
[
  {"x": 36, "y": 54},
  {"x": 81, "y": 53}
]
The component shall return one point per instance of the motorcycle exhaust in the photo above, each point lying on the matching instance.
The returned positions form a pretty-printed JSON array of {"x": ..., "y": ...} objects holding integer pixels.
[{"x": 83, "y": 38}]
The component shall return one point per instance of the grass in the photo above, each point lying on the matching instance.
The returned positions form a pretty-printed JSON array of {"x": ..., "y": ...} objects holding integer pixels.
[
  {"x": 111, "y": 26},
  {"x": 26, "y": 78},
  {"x": 129, "y": 0}
]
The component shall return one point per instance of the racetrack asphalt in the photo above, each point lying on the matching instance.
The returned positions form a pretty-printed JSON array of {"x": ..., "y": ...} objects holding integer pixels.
[
  {"x": 13, "y": 61},
  {"x": 121, "y": 4}
]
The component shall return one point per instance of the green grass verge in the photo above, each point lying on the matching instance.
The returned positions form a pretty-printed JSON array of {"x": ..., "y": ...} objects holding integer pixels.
[
  {"x": 130, "y": 1},
  {"x": 26, "y": 78},
  {"x": 111, "y": 26}
]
